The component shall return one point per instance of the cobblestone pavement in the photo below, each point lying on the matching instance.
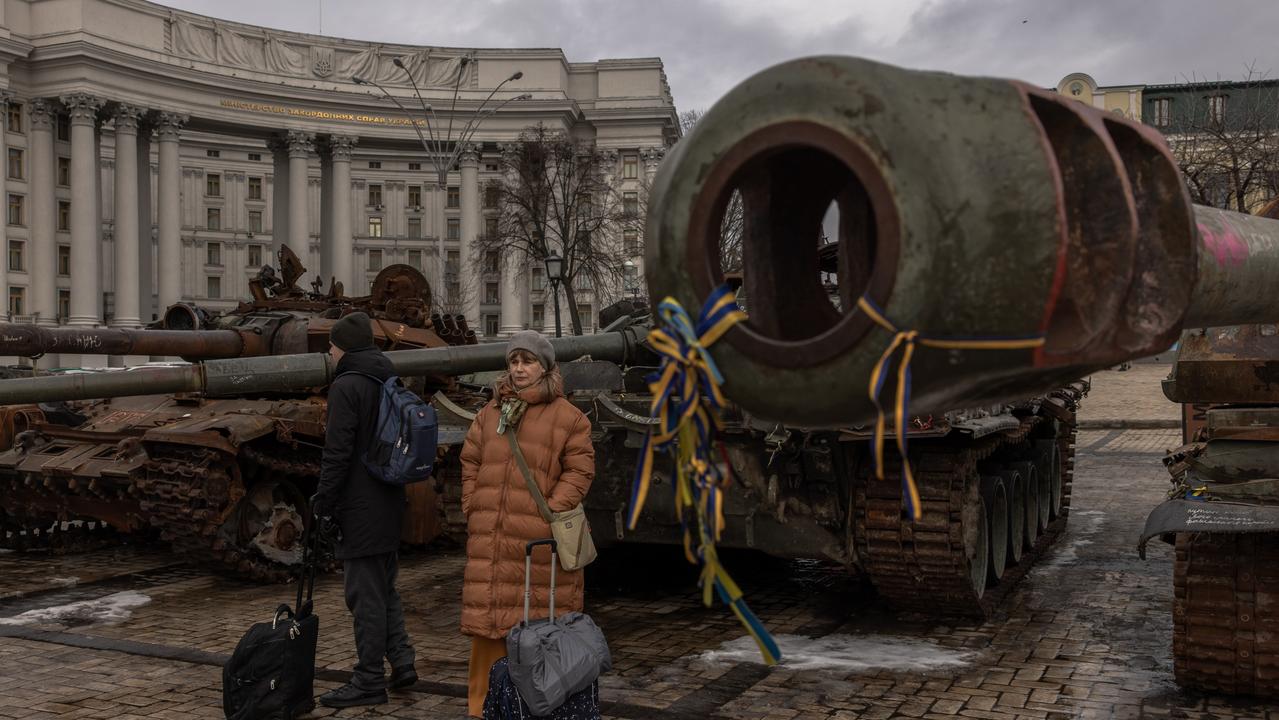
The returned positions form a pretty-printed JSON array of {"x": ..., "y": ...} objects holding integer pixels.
[
  {"x": 1134, "y": 394},
  {"x": 1086, "y": 634}
]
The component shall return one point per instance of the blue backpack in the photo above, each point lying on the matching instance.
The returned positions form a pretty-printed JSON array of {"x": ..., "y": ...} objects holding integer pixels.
[{"x": 403, "y": 448}]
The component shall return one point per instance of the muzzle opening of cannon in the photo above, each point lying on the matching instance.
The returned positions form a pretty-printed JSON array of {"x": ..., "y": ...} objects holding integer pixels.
[{"x": 761, "y": 213}]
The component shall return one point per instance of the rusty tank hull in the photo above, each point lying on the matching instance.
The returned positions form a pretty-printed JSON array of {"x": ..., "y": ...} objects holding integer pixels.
[{"x": 224, "y": 479}]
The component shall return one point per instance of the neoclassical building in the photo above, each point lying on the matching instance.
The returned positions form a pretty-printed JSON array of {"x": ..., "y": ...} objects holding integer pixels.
[{"x": 157, "y": 156}]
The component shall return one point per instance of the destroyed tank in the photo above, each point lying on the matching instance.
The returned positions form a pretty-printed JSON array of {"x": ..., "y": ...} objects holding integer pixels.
[
  {"x": 225, "y": 480},
  {"x": 1222, "y": 515}
]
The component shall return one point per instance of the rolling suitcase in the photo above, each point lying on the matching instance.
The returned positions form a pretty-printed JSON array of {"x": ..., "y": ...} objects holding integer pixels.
[
  {"x": 580, "y": 655},
  {"x": 271, "y": 674}
]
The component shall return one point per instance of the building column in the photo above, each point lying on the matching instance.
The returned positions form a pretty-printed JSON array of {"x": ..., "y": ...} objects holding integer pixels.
[
  {"x": 340, "y": 147},
  {"x": 469, "y": 270},
  {"x": 326, "y": 215},
  {"x": 128, "y": 312},
  {"x": 300, "y": 146},
  {"x": 42, "y": 288},
  {"x": 512, "y": 265},
  {"x": 169, "y": 247},
  {"x": 279, "y": 196},
  {"x": 86, "y": 243},
  {"x": 146, "y": 255}
]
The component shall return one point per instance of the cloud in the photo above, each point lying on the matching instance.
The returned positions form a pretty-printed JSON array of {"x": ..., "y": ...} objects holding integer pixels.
[{"x": 709, "y": 46}]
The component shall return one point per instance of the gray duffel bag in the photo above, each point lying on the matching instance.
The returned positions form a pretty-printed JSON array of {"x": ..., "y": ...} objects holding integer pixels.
[{"x": 552, "y": 659}]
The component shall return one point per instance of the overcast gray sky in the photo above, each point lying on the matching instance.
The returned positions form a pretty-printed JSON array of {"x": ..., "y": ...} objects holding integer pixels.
[{"x": 710, "y": 45}]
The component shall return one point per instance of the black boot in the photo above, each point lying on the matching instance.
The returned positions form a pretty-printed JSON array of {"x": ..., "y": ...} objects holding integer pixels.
[
  {"x": 349, "y": 696},
  {"x": 403, "y": 676}
]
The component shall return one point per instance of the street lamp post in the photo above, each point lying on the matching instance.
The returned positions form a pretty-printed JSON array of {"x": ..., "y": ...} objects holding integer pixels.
[
  {"x": 443, "y": 150},
  {"x": 629, "y": 275},
  {"x": 554, "y": 273}
]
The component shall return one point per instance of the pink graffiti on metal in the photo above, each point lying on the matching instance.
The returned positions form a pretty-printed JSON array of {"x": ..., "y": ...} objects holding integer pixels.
[{"x": 1225, "y": 245}]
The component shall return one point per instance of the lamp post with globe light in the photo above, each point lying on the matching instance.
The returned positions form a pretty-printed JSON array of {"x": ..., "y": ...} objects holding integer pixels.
[
  {"x": 554, "y": 274},
  {"x": 442, "y": 149}
]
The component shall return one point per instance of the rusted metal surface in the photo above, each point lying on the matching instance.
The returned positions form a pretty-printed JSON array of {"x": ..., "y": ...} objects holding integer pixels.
[
  {"x": 34, "y": 341},
  {"x": 1225, "y": 609},
  {"x": 1236, "y": 269},
  {"x": 1230, "y": 364}
]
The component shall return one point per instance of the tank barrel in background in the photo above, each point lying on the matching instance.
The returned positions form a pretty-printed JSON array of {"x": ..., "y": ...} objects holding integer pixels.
[
  {"x": 294, "y": 373},
  {"x": 1053, "y": 238},
  {"x": 34, "y": 340}
]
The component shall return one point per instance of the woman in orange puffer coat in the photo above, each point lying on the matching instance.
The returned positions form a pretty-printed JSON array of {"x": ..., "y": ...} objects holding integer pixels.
[{"x": 501, "y": 515}]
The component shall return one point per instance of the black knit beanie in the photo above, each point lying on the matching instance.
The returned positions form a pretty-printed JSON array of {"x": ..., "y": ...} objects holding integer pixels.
[{"x": 352, "y": 332}]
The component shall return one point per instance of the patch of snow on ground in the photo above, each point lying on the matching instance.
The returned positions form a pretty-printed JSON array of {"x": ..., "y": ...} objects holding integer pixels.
[
  {"x": 848, "y": 653},
  {"x": 115, "y": 608},
  {"x": 63, "y": 581}
]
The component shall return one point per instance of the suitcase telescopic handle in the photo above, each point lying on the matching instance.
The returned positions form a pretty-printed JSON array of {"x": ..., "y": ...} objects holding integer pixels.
[{"x": 528, "y": 575}]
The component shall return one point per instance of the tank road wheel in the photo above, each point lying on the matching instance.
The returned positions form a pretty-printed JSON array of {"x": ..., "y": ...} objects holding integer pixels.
[
  {"x": 978, "y": 548},
  {"x": 1225, "y": 614},
  {"x": 269, "y": 520},
  {"x": 1030, "y": 485},
  {"x": 1015, "y": 489},
  {"x": 995, "y": 501},
  {"x": 1049, "y": 464}
]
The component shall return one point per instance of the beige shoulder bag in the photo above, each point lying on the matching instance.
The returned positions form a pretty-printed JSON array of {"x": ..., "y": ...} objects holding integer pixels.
[{"x": 571, "y": 530}]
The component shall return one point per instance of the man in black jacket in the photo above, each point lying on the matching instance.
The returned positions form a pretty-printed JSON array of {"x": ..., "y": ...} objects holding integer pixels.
[{"x": 369, "y": 513}]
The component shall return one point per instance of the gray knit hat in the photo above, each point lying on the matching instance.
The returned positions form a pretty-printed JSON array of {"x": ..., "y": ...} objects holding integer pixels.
[
  {"x": 352, "y": 332},
  {"x": 533, "y": 342}
]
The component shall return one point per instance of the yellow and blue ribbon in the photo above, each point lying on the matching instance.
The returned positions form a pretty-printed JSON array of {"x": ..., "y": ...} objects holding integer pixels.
[
  {"x": 905, "y": 342},
  {"x": 686, "y": 403}
]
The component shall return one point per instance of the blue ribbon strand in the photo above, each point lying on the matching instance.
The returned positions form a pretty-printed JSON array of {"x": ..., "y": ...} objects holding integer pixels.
[{"x": 686, "y": 403}]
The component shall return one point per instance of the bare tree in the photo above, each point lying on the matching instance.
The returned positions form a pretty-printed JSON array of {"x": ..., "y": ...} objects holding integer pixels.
[
  {"x": 1225, "y": 139},
  {"x": 556, "y": 199},
  {"x": 733, "y": 223}
]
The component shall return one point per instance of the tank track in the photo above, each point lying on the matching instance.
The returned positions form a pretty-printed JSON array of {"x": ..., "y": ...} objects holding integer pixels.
[
  {"x": 924, "y": 566},
  {"x": 187, "y": 493},
  {"x": 1225, "y": 612}
]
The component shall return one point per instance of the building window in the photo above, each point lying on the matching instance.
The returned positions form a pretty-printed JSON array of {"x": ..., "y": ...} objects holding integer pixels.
[
  {"x": 213, "y": 253},
  {"x": 415, "y": 259},
  {"x": 64, "y": 260},
  {"x": 582, "y": 282},
  {"x": 64, "y": 171},
  {"x": 415, "y": 196},
  {"x": 490, "y": 294},
  {"x": 1216, "y": 108},
  {"x": 538, "y": 282},
  {"x": 64, "y": 304},
  {"x": 630, "y": 167},
  {"x": 490, "y": 227},
  {"x": 375, "y": 164},
  {"x": 15, "y": 117},
  {"x": 453, "y": 261},
  {"x": 630, "y": 242},
  {"x": 375, "y": 227},
  {"x": 415, "y": 166},
  {"x": 415, "y": 227},
  {"x": 15, "y": 210},
  {"x": 454, "y": 197},
  {"x": 213, "y": 185},
  {"x": 490, "y": 325},
  {"x": 16, "y": 260},
  {"x": 490, "y": 261},
  {"x": 213, "y": 153},
  {"x": 375, "y": 194},
  {"x": 375, "y": 259},
  {"x": 538, "y": 321},
  {"x": 64, "y": 216},
  {"x": 255, "y": 221},
  {"x": 630, "y": 203},
  {"x": 491, "y": 193},
  {"x": 17, "y": 299},
  {"x": 255, "y": 256},
  {"x": 64, "y": 128},
  {"x": 255, "y": 157},
  {"x": 213, "y": 219},
  {"x": 584, "y": 312},
  {"x": 15, "y": 163},
  {"x": 213, "y": 287},
  {"x": 255, "y": 188},
  {"x": 454, "y": 229},
  {"x": 490, "y": 167}
]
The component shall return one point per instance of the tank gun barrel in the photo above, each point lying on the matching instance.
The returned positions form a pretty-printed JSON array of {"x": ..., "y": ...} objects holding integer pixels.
[
  {"x": 289, "y": 373},
  {"x": 34, "y": 341}
]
